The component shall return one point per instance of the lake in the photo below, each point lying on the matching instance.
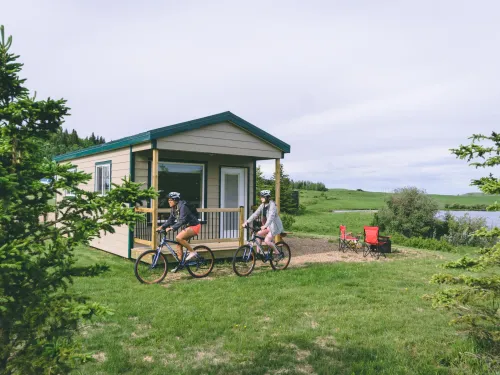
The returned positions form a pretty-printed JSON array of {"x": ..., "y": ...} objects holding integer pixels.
[{"x": 492, "y": 217}]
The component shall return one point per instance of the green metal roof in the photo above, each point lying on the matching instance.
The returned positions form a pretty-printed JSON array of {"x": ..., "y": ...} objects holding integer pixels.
[{"x": 175, "y": 129}]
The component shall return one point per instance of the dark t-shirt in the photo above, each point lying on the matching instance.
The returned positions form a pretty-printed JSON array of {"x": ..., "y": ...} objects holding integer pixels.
[
  {"x": 264, "y": 214},
  {"x": 183, "y": 215}
]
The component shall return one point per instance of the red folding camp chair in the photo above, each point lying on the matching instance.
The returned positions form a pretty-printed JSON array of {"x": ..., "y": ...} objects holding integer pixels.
[
  {"x": 373, "y": 242},
  {"x": 347, "y": 240}
]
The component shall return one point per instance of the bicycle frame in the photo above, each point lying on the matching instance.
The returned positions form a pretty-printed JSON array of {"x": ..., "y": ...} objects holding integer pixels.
[
  {"x": 166, "y": 242},
  {"x": 253, "y": 242}
]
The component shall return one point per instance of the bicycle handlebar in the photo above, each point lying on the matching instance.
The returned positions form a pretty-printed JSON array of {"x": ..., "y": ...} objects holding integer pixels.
[
  {"x": 254, "y": 229},
  {"x": 202, "y": 222}
]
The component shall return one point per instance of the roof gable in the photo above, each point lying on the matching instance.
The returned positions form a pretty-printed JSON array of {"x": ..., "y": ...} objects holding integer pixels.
[{"x": 176, "y": 129}]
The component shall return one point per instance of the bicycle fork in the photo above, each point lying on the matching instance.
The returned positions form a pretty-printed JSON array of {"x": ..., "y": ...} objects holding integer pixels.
[{"x": 156, "y": 257}]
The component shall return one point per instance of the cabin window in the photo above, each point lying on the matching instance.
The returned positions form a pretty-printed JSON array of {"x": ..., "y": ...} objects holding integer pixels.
[
  {"x": 103, "y": 177},
  {"x": 185, "y": 178},
  {"x": 70, "y": 193}
]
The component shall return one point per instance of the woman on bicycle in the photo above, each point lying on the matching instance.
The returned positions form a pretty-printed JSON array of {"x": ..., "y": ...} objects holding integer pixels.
[
  {"x": 180, "y": 216},
  {"x": 271, "y": 222}
]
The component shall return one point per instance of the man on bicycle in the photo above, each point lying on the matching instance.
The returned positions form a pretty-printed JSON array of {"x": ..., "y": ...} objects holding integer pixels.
[{"x": 180, "y": 216}]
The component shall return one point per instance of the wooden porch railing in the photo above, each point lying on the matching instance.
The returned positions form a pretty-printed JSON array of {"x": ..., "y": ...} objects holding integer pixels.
[{"x": 222, "y": 225}]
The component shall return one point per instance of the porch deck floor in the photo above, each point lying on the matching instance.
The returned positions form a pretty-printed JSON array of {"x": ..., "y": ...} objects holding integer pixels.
[{"x": 220, "y": 249}]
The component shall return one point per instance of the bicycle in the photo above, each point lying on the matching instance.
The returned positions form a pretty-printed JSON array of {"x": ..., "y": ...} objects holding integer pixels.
[
  {"x": 155, "y": 263},
  {"x": 244, "y": 258}
]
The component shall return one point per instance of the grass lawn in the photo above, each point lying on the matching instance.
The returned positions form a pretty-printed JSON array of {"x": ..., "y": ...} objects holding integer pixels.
[
  {"x": 327, "y": 223},
  {"x": 339, "y": 318}
]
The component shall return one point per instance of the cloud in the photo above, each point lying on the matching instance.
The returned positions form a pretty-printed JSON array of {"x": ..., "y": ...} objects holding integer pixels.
[{"x": 369, "y": 94}]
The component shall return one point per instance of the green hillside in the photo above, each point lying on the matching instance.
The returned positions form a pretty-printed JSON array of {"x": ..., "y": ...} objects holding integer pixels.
[{"x": 342, "y": 199}]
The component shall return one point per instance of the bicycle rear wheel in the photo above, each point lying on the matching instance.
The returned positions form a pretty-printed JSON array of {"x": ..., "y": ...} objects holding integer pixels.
[
  {"x": 148, "y": 273},
  {"x": 244, "y": 261},
  {"x": 202, "y": 264},
  {"x": 281, "y": 261}
]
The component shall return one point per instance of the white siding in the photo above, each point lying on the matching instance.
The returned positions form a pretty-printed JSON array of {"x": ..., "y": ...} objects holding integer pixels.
[
  {"x": 223, "y": 138},
  {"x": 116, "y": 243}
]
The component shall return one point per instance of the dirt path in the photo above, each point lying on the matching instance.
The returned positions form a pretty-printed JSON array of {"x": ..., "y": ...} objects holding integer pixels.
[
  {"x": 311, "y": 250},
  {"x": 319, "y": 250}
]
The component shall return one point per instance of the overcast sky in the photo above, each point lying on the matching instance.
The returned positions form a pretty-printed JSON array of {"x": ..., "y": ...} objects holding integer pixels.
[{"x": 369, "y": 94}]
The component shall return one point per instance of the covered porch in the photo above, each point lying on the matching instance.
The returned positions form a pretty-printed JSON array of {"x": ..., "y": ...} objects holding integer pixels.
[{"x": 222, "y": 186}]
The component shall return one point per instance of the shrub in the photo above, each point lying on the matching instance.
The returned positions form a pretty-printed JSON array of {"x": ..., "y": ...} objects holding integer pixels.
[
  {"x": 409, "y": 211},
  {"x": 472, "y": 207},
  {"x": 422, "y": 243},
  {"x": 301, "y": 210},
  {"x": 288, "y": 221},
  {"x": 461, "y": 231}
]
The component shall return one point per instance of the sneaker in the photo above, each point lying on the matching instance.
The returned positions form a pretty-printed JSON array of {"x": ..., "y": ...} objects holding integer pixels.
[{"x": 191, "y": 255}]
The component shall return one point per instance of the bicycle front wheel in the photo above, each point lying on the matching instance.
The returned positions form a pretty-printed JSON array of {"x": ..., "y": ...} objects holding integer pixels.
[
  {"x": 282, "y": 260},
  {"x": 151, "y": 267},
  {"x": 202, "y": 264},
  {"x": 244, "y": 261}
]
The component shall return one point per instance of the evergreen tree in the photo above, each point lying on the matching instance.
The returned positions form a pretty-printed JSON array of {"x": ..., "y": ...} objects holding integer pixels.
[
  {"x": 474, "y": 297},
  {"x": 38, "y": 313},
  {"x": 287, "y": 205}
]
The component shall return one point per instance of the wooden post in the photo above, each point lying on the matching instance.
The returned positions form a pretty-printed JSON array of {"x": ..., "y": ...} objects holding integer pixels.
[
  {"x": 242, "y": 220},
  {"x": 278, "y": 190},
  {"x": 278, "y": 184},
  {"x": 154, "y": 184}
]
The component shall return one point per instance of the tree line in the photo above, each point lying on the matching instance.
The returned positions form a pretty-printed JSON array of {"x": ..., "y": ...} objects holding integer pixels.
[
  {"x": 63, "y": 141},
  {"x": 309, "y": 185}
]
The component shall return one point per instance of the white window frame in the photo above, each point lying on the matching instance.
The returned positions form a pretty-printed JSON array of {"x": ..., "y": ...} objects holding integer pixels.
[
  {"x": 70, "y": 193},
  {"x": 102, "y": 165},
  {"x": 243, "y": 173}
]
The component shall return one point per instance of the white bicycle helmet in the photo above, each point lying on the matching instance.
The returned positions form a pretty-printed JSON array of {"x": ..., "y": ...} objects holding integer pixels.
[
  {"x": 265, "y": 193},
  {"x": 174, "y": 195}
]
